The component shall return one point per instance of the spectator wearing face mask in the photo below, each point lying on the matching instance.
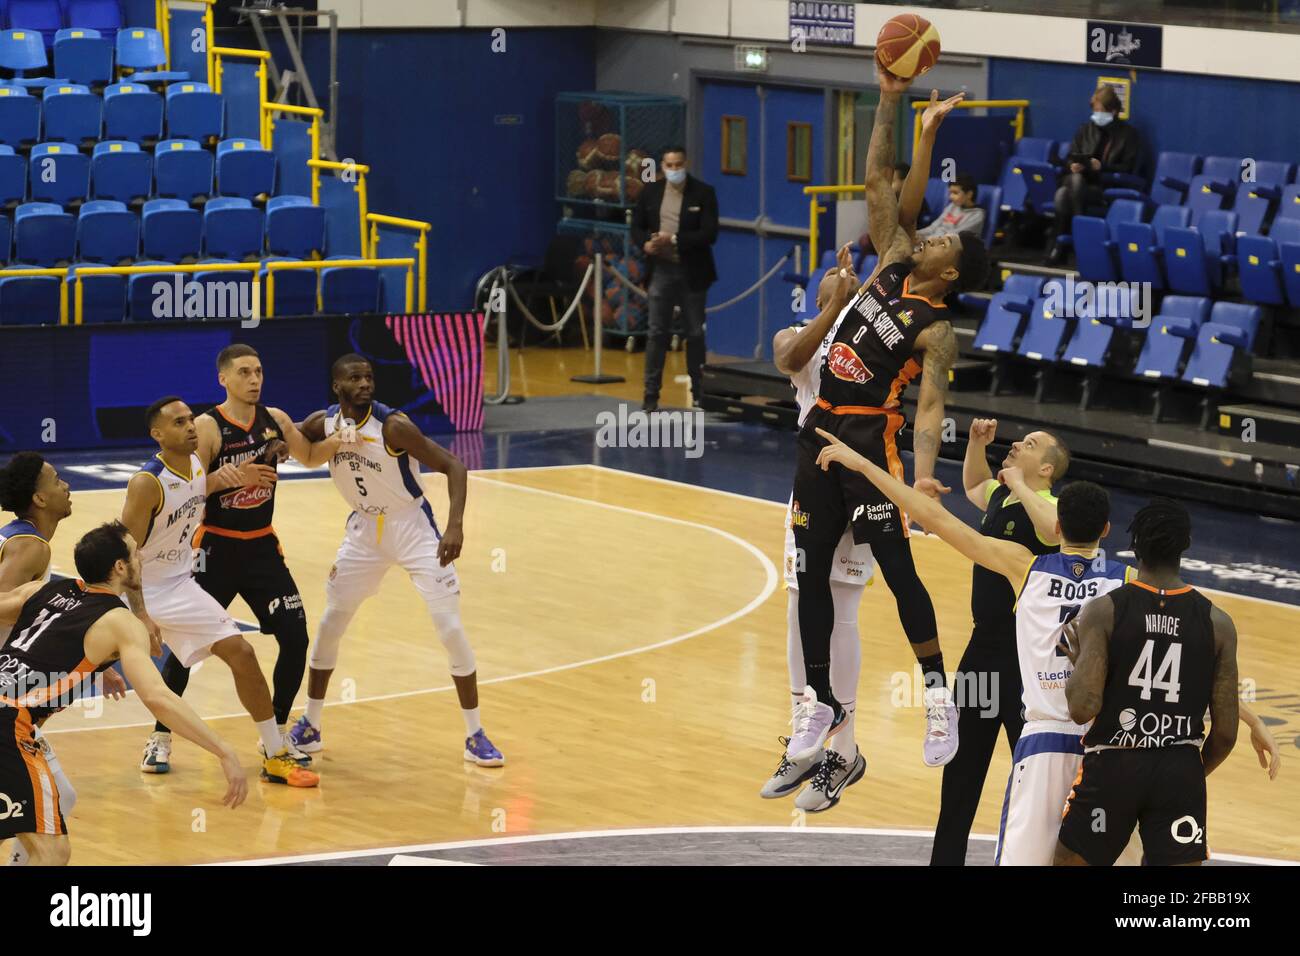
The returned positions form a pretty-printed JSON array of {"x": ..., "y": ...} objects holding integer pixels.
[
  {"x": 1104, "y": 144},
  {"x": 960, "y": 215}
]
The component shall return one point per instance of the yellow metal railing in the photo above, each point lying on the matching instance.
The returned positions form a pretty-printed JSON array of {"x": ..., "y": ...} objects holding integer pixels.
[
  {"x": 219, "y": 71},
  {"x": 1017, "y": 122},
  {"x": 362, "y": 171},
  {"x": 421, "y": 243},
  {"x": 163, "y": 17},
  {"x": 268, "y": 113},
  {"x": 79, "y": 291},
  {"x": 815, "y": 209},
  {"x": 54, "y": 273},
  {"x": 287, "y": 266}
]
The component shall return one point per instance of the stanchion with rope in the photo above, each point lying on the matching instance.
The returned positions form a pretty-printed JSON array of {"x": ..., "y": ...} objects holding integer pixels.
[{"x": 597, "y": 377}]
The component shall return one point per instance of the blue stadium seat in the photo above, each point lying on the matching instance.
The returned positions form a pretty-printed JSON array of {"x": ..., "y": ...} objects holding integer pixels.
[
  {"x": 140, "y": 49},
  {"x": 1229, "y": 333},
  {"x": 1260, "y": 267},
  {"x": 1034, "y": 147},
  {"x": 1195, "y": 258},
  {"x": 1251, "y": 207},
  {"x": 1205, "y": 195},
  {"x": 132, "y": 111},
  {"x": 195, "y": 112},
  {"x": 1223, "y": 169},
  {"x": 150, "y": 297},
  {"x": 1288, "y": 206},
  {"x": 1179, "y": 320},
  {"x": 226, "y": 295},
  {"x": 20, "y": 117},
  {"x": 1047, "y": 326},
  {"x": 1173, "y": 175},
  {"x": 296, "y": 290},
  {"x": 30, "y": 300},
  {"x": 1286, "y": 234},
  {"x": 44, "y": 235},
  {"x": 6, "y": 239},
  {"x": 346, "y": 291},
  {"x": 72, "y": 114},
  {"x": 296, "y": 229},
  {"x": 1113, "y": 307},
  {"x": 1095, "y": 239},
  {"x": 172, "y": 230},
  {"x": 1039, "y": 183},
  {"x": 107, "y": 233},
  {"x": 1140, "y": 245},
  {"x": 245, "y": 169},
  {"x": 989, "y": 198},
  {"x": 13, "y": 178},
  {"x": 105, "y": 16},
  {"x": 24, "y": 51},
  {"x": 232, "y": 229},
  {"x": 58, "y": 173},
  {"x": 936, "y": 198},
  {"x": 121, "y": 170},
  {"x": 1006, "y": 314},
  {"x": 43, "y": 16},
  {"x": 83, "y": 56},
  {"x": 865, "y": 267},
  {"x": 182, "y": 170},
  {"x": 103, "y": 298},
  {"x": 1012, "y": 185}
]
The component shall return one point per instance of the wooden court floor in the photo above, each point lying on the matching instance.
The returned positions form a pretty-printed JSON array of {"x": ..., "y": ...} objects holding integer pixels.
[{"x": 630, "y": 640}]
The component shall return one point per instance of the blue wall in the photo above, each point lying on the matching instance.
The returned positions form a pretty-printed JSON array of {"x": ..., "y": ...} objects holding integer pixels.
[
  {"x": 420, "y": 107},
  {"x": 1209, "y": 115}
]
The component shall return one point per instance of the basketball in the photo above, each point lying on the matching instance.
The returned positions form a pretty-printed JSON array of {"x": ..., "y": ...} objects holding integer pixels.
[{"x": 907, "y": 46}]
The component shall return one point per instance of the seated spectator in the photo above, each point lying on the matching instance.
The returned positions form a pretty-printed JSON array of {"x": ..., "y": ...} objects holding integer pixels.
[
  {"x": 960, "y": 215},
  {"x": 1104, "y": 144}
]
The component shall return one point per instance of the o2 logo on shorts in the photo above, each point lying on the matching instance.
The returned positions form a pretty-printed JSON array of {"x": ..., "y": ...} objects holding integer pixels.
[
  {"x": 844, "y": 364},
  {"x": 8, "y": 809},
  {"x": 1187, "y": 830}
]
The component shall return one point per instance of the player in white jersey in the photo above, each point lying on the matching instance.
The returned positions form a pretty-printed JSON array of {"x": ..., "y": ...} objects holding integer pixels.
[
  {"x": 165, "y": 504},
  {"x": 1051, "y": 589},
  {"x": 391, "y": 524}
]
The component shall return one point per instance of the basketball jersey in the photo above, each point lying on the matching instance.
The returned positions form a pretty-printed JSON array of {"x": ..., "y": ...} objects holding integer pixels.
[
  {"x": 992, "y": 598},
  {"x": 870, "y": 360},
  {"x": 1160, "y": 670},
  {"x": 166, "y": 551},
  {"x": 45, "y": 658},
  {"x": 1055, "y": 587},
  {"x": 242, "y": 509},
  {"x": 373, "y": 479},
  {"x": 808, "y": 379},
  {"x": 22, "y": 528}
]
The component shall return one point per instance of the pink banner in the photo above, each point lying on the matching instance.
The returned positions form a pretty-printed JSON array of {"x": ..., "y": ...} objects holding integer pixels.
[{"x": 447, "y": 348}]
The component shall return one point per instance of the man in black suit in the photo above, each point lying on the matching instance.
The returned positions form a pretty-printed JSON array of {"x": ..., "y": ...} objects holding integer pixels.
[{"x": 675, "y": 222}]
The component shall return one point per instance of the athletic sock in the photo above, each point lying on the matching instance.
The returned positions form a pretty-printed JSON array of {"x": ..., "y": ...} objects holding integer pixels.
[
  {"x": 472, "y": 723},
  {"x": 844, "y": 743},
  {"x": 932, "y": 668},
  {"x": 314, "y": 708},
  {"x": 269, "y": 731}
]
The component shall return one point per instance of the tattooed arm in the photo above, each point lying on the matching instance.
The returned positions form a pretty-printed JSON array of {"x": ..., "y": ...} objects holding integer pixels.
[{"x": 939, "y": 343}]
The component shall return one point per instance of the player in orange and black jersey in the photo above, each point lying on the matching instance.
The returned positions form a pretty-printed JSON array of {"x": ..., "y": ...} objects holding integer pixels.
[{"x": 895, "y": 329}]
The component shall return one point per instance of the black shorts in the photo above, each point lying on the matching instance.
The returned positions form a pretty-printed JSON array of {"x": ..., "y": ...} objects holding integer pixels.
[
  {"x": 29, "y": 797},
  {"x": 1159, "y": 789},
  {"x": 826, "y": 501},
  {"x": 254, "y": 569}
]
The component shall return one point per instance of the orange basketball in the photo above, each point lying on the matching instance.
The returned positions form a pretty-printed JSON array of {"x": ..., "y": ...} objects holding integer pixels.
[{"x": 907, "y": 46}]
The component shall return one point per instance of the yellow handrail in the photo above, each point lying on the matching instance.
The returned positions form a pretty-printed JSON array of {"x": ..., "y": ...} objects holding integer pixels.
[
  {"x": 219, "y": 72},
  {"x": 362, "y": 172},
  {"x": 55, "y": 273},
  {"x": 289, "y": 265},
  {"x": 1018, "y": 105},
  {"x": 79, "y": 292},
  {"x": 421, "y": 244},
  {"x": 814, "y": 211},
  {"x": 316, "y": 113}
]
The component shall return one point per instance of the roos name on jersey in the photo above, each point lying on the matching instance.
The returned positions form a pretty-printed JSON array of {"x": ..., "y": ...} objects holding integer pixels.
[{"x": 844, "y": 364}]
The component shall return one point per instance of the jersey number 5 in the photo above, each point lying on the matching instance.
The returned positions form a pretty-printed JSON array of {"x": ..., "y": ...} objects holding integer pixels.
[
  {"x": 1166, "y": 677},
  {"x": 1068, "y": 613},
  {"x": 35, "y": 629},
  {"x": 361, "y": 487}
]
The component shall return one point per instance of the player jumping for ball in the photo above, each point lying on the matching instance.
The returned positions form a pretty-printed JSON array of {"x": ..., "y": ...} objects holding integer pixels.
[{"x": 391, "y": 524}]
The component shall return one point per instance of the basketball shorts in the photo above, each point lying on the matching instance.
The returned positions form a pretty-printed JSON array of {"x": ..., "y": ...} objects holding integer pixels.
[
  {"x": 1044, "y": 765},
  {"x": 827, "y": 502},
  {"x": 191, "y": 620},
  {"x": 1161, "y": 790},
  {"x": 853, "y": 562},
  {"x": 408, "y": 540},
  {"x": 29, "y": 797},
  {"x": 254, "y": 569}
]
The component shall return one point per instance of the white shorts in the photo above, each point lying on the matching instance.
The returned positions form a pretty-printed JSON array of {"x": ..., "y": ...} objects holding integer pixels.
[
  {"x": 1045, "y": 766},
  {"x": 371, "y": 546},
  {"x": 190, "y": 618},
  {"x": 854, "y": 563}
]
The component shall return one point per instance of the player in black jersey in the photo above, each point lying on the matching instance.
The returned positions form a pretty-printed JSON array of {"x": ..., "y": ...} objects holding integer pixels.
[
  {"x": 1149, "y": 659},
  {"x": 894, "y": 330},
  {"x": 1018, "y": 506},
  {"x": 241, "y": 553},
  {"x": 63, "y": 633}
]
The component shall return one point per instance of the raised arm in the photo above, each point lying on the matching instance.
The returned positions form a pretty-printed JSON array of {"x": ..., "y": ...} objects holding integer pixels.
[
  {"x": 1005, "y": 557},
  {"x": 792, "y": 350},
  {"x": 976, "y": 476},
  {"x": 1086, "y": 641},
  {"x": 304, "y": 450},
  {"x": 1223, "y": 697},
  {"x": 401, "y": 434},
  {"x": 1041, "y": 510},
  {"x": 891, "y": 240},
  {"x": 940, "y": 345},
  {"x": 909, "y": 203}
]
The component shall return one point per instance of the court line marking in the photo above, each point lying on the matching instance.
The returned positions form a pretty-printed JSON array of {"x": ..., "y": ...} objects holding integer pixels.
[
  {"x": 916, "y": 535},
  {"x": 653, "y": 831},
  {"x": 769, "y": 586}
]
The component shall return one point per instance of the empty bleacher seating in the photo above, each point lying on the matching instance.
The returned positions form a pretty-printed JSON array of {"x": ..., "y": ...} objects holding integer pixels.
[
  {"x": 296, "y": 229},
  {"x": 20, "y": 117},
  {"x": 233, "y": 229},
  {"x": 132, "y": 111},
  {"x": 72, "y": 114},
  {"x": 121, "y": 170},
  {"x": 172, "y": 231},
  {"x": 182, "y": 170},
  {"x": 1163, "y": 350},
  {"x": 107, "y": 232},
  {"x": 140, "y": 49},
  {"x": 44, "y": 235},
  {"x": 83, "y": 56},
  {"x": 58, "y": 173},
  {"x": 194, "y": 112},
  {"x": 245, "y": 169}
]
